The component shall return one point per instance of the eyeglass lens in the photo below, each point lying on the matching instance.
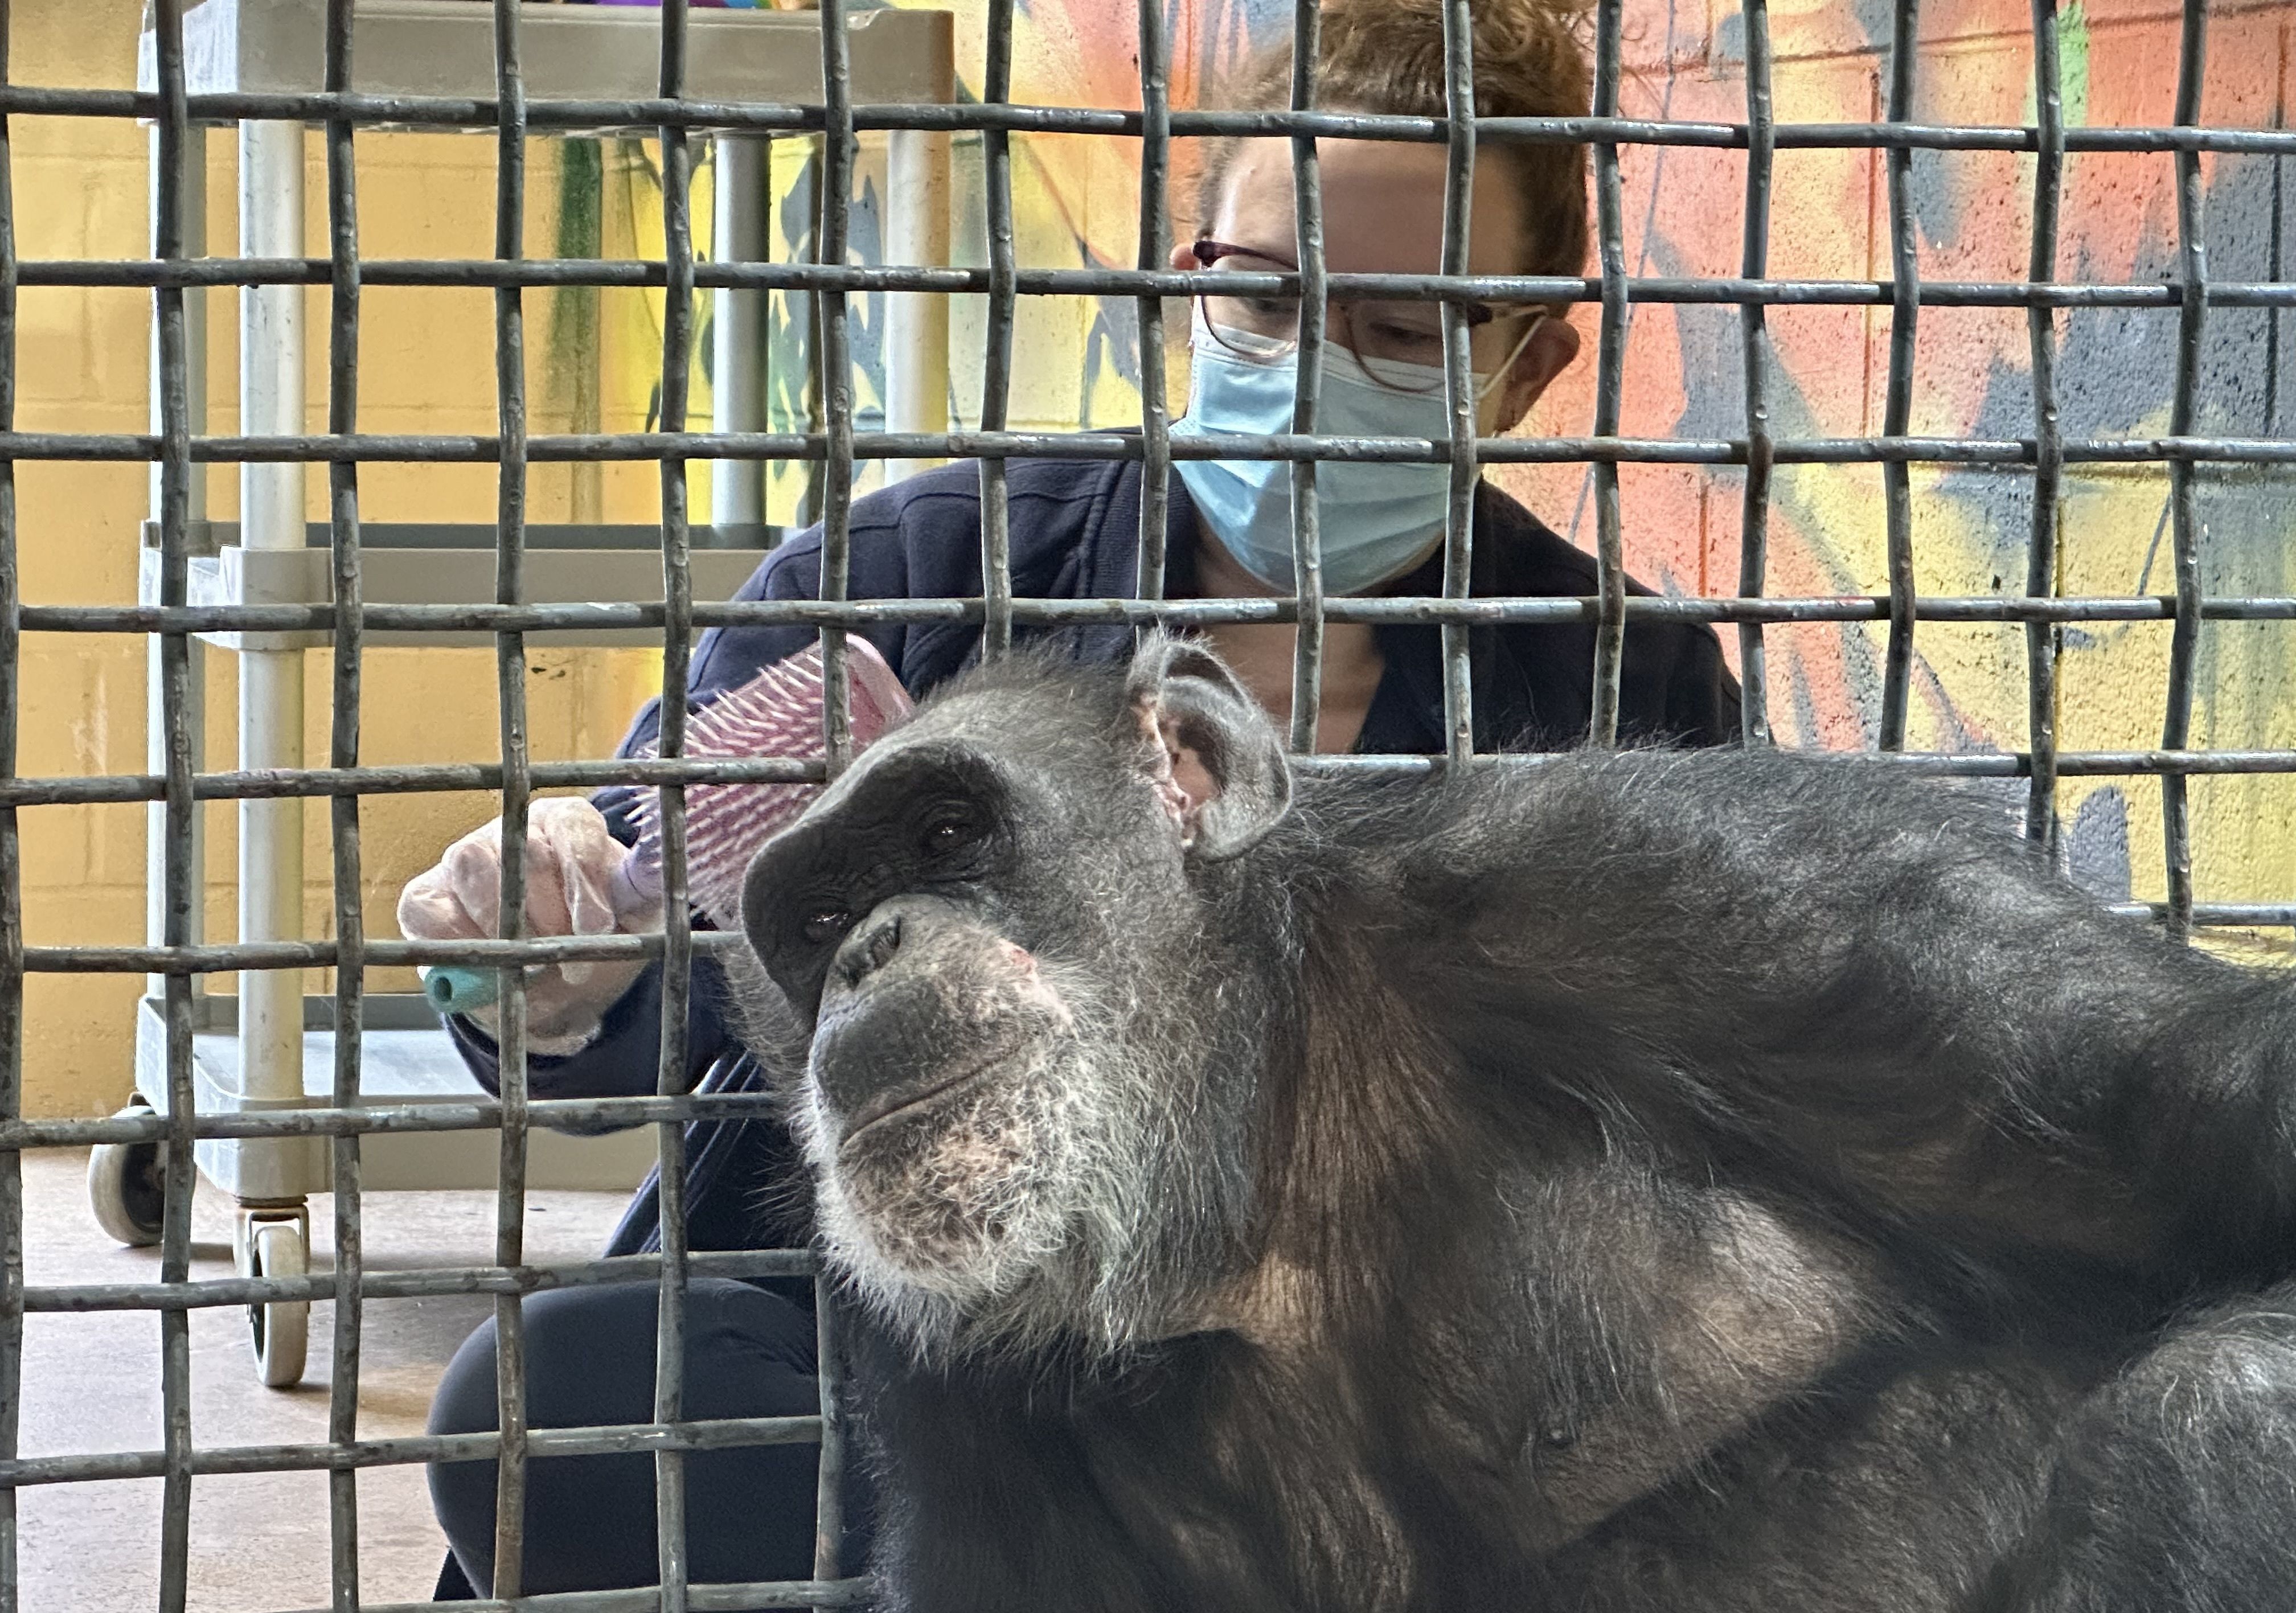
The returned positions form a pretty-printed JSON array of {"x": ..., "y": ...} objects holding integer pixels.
[{"x": 1398, "y": 344}]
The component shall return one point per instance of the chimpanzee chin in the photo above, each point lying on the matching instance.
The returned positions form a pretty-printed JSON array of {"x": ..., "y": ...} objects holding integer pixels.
[{"x": 1024, "y": 1123}]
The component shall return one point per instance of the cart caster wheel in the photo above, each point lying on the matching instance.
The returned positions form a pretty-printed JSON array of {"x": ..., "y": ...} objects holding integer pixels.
[
  {"x": 127, "y": 1185},
  {"x": 281, "y": 1330}
]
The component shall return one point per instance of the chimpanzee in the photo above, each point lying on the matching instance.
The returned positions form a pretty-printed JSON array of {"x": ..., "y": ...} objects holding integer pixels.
[{"x": 1651, "y": 1180}]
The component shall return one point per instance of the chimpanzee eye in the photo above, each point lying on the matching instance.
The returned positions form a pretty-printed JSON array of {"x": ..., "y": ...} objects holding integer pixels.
[
  {"x": 951, "y": 831},
  {"x": 823, "y": 925}
]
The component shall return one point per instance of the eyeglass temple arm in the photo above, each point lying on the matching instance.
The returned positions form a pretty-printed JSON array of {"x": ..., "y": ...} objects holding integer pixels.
[{"x": 1209, "y": 252}]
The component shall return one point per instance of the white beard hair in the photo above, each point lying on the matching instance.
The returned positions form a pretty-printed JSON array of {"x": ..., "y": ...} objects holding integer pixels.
[{"x": 1051, "y": 1157}]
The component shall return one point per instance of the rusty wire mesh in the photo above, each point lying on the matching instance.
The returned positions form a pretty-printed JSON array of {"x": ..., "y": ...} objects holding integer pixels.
[{"x": 837, "y": 446}]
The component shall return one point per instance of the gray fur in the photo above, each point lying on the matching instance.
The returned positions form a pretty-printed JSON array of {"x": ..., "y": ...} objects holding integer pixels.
[{"x": 1649, "y": 1181}]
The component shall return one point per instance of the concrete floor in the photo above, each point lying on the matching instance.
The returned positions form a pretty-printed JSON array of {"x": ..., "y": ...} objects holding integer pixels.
[{"x": 259, "y": 1541}]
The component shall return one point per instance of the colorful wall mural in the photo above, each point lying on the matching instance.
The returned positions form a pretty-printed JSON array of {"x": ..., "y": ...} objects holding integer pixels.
[{"x": 1076, "y": 362}]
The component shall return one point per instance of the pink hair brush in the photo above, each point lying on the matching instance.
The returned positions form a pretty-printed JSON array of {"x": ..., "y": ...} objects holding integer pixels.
[{"x": 776, "y": 714}]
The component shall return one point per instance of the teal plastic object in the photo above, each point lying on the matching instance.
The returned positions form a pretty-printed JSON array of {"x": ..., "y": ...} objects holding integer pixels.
[{"x": 456, "y": 988}]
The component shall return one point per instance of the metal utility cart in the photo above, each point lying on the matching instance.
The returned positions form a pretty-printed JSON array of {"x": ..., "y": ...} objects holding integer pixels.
[{"x": 271, "y": 1046}]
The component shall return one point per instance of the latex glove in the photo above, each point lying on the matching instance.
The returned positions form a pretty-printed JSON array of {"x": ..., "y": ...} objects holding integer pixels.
[{"x": 570, "y": 860}]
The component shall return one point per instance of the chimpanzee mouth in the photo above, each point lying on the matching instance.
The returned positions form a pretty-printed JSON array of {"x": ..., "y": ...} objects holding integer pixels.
[{"x": 902, "y": 1101}]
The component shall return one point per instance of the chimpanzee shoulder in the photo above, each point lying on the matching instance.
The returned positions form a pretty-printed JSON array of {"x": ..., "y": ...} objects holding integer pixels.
[{"x": 1707, "y": 1181}]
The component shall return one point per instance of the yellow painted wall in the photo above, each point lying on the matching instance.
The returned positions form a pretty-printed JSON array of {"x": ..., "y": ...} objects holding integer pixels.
[{"x": 426, "y": 364}]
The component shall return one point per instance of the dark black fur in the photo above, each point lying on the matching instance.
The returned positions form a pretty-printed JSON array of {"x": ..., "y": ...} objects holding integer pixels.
[{"x": 1665, "y": 1180}]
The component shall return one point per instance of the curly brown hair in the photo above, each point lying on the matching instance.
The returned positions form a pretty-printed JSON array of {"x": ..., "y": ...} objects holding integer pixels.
[{"x": 1386, "y": 56}]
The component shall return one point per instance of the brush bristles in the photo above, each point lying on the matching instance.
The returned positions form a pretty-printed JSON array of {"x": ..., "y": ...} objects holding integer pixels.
[{"x": 776, "y": 714}]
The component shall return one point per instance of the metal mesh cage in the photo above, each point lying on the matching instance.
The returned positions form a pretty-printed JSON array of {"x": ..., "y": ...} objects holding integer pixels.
[{"x": 677, "y": 119}]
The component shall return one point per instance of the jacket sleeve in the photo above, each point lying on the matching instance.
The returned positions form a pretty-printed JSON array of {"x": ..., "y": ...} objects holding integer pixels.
[
  {"x": 625, "y": 1059},
  {"x": 622, "y": 1062}
]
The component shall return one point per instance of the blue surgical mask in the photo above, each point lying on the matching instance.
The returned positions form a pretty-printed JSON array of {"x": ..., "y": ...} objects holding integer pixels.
[{"x": 1377, "y": 521}]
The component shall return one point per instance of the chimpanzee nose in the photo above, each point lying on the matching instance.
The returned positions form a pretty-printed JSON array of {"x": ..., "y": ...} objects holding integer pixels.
[{"x": 869, "y": 947}]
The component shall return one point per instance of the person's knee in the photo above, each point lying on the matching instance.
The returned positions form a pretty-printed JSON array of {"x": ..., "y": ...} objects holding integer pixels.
[
  {"x": 465, "y": 1400},
  {"x": 590, "y": 1361},
  {"x": 588, "y": 1352}
]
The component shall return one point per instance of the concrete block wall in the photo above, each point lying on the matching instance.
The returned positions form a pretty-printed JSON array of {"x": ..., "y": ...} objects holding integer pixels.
[{"x": 426, "y": 364}]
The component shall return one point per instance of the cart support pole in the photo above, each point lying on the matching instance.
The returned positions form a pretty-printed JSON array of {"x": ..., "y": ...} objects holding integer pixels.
[
  {"x": 739, "y": 359},
  {"x": 916, "y": 324},
  {"x": 271, "y": 681}
]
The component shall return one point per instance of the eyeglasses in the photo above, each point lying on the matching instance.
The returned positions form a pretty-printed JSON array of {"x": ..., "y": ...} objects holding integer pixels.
[{"x": 1398, "y": 344}]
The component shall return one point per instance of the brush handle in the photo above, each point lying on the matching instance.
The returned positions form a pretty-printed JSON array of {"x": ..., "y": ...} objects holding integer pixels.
[
  {"x": 777, "y": 713},
  {"x": 461, "y": 988},
  {"x": 636, "y": 887}
]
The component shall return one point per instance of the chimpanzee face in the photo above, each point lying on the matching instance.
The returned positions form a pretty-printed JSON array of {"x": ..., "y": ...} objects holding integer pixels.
[{"x": 986, "y": 924}]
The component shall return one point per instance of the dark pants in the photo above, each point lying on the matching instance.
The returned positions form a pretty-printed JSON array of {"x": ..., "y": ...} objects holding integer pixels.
[{"x": 590, "y": 1519}]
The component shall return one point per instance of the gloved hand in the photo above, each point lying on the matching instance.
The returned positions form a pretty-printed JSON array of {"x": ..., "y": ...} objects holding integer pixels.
[{"x": 570, "y": 860}]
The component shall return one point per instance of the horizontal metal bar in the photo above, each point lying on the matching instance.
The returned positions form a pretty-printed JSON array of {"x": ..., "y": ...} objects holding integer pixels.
[
  {"x": 1928, "y": 764},
  {"x": 577, "y": 1114},
  {"x": 448, "y": 112},
  {"x": 638, "y": 272},
  {"x": 559, "y": 949},
  {"x": 281, "y": 783},
  {"x": 2216, "y": 916},
  {"x": 606, "y": 1440},
  {"x": 413, "y": 448},
  {"x": 731, "y": 613},
  {"x": 323, "y": 955},
  {"x": 115, "y": 789},
  {"x": 2097, "y": 763},
  {"x": 703, "y": 1598},
  {"x": 495, "y": 618},
  {"x": 427, "y": 1282}
]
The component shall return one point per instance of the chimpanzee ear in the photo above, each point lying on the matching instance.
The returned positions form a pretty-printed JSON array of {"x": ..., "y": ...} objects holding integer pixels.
[{"x": 1213, "y": 753}]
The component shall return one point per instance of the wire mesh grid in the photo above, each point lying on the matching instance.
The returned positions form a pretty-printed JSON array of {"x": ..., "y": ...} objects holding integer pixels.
[{"x": 838, "y": 447}]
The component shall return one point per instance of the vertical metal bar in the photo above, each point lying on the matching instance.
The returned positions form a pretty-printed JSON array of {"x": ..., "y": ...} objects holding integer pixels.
[
  {"x": 1307, "y": 528},
  {"x": 1610, "y": 381},
  {"x": 829, "y": 1488},
  {"x": 836, "y": 556},
  {"x": 1155, "y": 233},
  {"x": 677, "y": 956},
  {"x": 997, "y": 364},
  {"x": 1898, "y": 658},
  {"x": 12, "y": 872},
  {"x": 181, "y": 873},
  {"x": 517, "y": 791},
  {"x": 193, "y": 231},
  {"x": 1754, "y": 327},
  {"x": 343, "y": 810},
  {"x": 2043, "y": 640},
  {"x": 195, "y": 227},
  {"x": 810, "y": 498},
  {"x": 834, "y": 345},
  {"x": 1458, "y": 375},
  {"x": 2183, "y": 644}
]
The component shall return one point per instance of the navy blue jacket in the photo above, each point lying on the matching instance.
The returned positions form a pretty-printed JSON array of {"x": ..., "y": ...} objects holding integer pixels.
[{"x": 1075, "y": 532}]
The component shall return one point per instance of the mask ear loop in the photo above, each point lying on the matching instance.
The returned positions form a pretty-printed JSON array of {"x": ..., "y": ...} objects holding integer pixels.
[{"x": 1490, "y": 383}]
